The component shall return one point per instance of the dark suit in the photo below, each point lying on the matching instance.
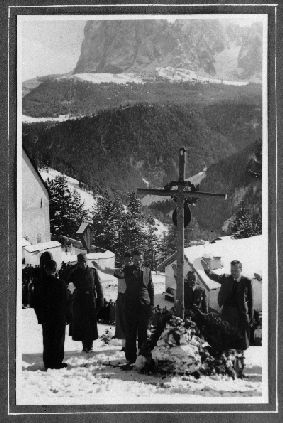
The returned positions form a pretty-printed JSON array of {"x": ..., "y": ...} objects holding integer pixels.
[
  {"x": 139, "y": 301},
  {"x": 236, "y": 300},
  {"x": 195, "y": 296}
]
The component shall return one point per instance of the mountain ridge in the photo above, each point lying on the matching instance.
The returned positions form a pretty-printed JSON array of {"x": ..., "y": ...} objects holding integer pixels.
[{"x": 143, "y": 46}]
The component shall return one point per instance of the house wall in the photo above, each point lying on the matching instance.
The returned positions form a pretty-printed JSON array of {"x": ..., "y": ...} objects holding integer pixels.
[
  {"x": 35, "y": 205},
  {"x": 213, "y": 300},
  {"x": 170, "y": 271},
  {"x": 34, "y": 258},
  {"x": 103, "y": 262},
  {"x": 257, "y": 294},
  {"x": 170, "y": 282}
]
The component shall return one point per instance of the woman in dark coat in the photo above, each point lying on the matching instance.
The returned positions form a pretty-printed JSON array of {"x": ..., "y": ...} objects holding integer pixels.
[{"x": 87, "y": 300}]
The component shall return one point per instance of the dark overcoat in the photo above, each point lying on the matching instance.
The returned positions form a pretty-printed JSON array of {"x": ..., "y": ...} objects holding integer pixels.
[
  {"x": 54, "y": 303},
  {"x": 86, "y": 302},
  {"x": 236, "y": 300}
]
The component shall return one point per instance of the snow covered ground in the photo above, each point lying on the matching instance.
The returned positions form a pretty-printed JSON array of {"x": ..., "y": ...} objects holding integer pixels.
[{"x": 96, "y": 379}]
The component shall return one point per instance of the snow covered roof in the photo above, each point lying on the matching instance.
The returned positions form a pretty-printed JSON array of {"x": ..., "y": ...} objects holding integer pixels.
[
  {"x": 248, "y": 250},
  {"x": 42, "y": 246},
  {"x": 96, "y": 256},
  {"x": 166, "y": 262},
  {"x": 33, "y": 167},
  {"x": 83, "y": 227},
  {"x": 25, "y": 242}
]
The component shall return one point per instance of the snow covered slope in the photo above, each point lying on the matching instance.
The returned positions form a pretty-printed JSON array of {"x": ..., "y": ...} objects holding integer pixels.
[
  {"x": 61, "y": 118},
  {"x": 168, "y": 73},
  {"x": 102, "y": 78},
  {"x": 87, "y": 197}
]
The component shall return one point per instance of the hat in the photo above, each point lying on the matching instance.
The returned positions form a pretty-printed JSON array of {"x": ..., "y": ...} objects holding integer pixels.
[{"x": 81, "y": 258}]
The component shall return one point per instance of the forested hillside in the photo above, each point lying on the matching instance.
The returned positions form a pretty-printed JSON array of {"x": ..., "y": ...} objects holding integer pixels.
[
  {"x": 54, "y": 97},
  {"x": 118, "y": 148},
  {"x": 240, "y": 177}
]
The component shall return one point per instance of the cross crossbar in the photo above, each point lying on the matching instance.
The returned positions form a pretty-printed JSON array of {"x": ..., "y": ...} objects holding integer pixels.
[{"x": 169, "y": 193}]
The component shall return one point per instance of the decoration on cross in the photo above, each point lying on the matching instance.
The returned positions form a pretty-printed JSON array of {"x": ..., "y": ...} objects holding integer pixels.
[{"x": 187, "y": 215}]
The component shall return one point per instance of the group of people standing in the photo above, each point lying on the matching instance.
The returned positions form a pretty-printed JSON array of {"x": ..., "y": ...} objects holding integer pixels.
[
  {"x": 57, "y": 305},
  {"x": 78, "y": 301}
]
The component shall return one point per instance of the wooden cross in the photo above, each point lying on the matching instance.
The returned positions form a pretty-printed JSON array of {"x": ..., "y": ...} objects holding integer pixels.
[{"x": 184, "y": 190}]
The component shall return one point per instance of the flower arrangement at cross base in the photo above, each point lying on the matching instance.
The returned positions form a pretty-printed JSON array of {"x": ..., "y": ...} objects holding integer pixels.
[{"x": 178, "y": 347}]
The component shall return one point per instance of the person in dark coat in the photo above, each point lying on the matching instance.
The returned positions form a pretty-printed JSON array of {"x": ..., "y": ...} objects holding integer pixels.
[
  {"x": 120, "y": 318},
  {"x": 139, "y": 304},
  {"x": 54, "y": 318},
  {"x": 236, "y": 299},
  {"x": 87, "y": 300},
  {"x": 39, "y": 277},
  {"x": 194, "y": 295}
]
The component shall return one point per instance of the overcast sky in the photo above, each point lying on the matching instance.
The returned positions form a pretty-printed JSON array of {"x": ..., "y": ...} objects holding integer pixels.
[{"x": 53, "y": 45}]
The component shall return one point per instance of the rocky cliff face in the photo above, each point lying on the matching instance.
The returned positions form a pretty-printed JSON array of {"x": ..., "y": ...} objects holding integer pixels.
[{"x": 143, "y": 46}]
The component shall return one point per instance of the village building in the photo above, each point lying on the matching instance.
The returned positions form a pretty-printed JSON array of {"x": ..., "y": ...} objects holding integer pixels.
[
  {"x": 219, "y": 255},
  {"x": 36, "y": 237},
  {"x": 35, "y": 204}
]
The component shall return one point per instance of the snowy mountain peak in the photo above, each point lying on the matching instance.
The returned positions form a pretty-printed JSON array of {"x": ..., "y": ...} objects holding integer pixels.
[{"x": 153, "y": 47}]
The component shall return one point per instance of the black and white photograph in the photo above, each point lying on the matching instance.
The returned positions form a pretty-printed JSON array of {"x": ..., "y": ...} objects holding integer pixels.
[{"x": 142, "y": 209}]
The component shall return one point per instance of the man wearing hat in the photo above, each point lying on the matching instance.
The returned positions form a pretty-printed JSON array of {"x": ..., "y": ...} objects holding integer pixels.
[{"x": 87, "y": 300}]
